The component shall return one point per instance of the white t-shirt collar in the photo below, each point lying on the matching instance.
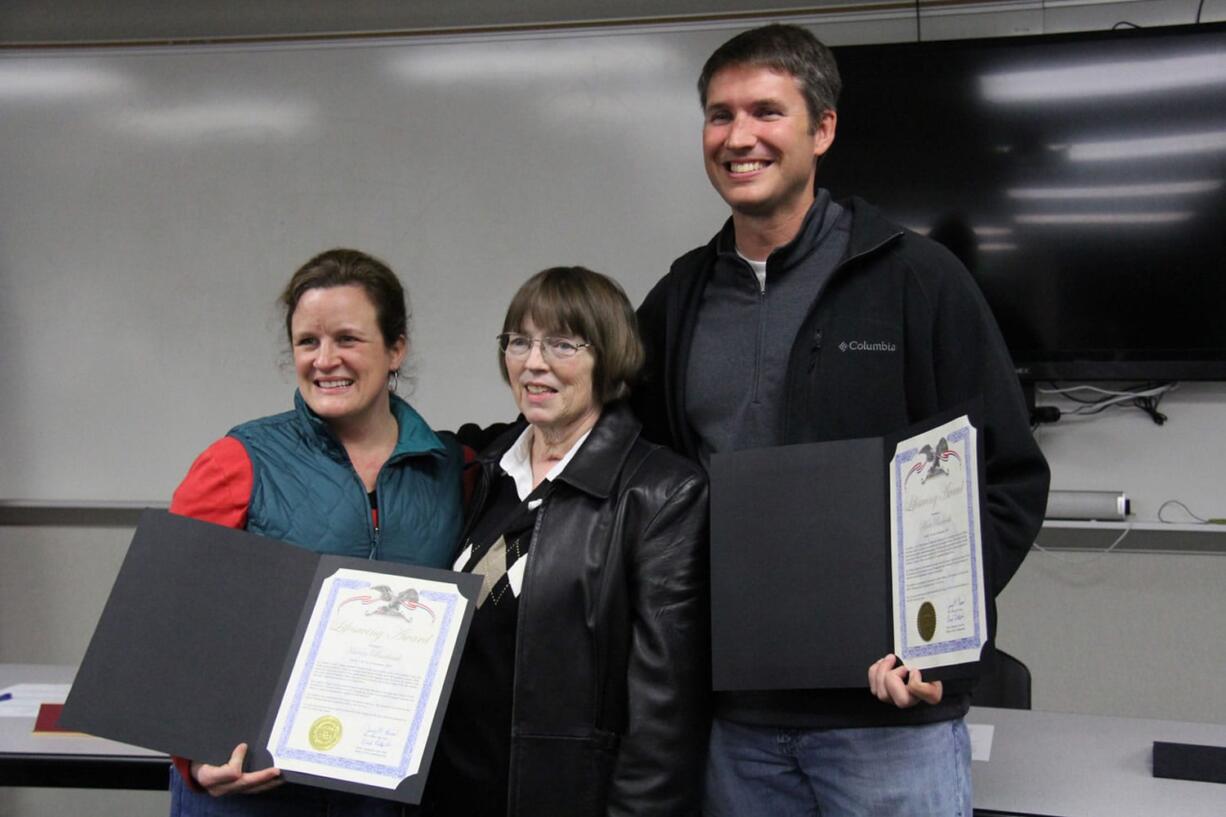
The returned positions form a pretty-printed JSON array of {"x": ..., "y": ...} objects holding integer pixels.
[{"x": 759, "y": 269}]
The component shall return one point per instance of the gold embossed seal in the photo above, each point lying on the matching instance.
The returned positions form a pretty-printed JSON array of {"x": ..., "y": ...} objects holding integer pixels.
[
  {"x": 926, "y": 621},
  {"x": 325, "y": 733}
]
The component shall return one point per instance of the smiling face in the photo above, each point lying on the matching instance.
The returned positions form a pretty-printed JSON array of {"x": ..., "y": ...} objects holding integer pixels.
[
  {"x": 340, "y": 357},
  {"x": 555, "y": 396},
  {"x": 759, "y": 143}
]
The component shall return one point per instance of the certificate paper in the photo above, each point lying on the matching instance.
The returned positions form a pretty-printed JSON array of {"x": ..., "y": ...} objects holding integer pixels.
[
  {"x": 366, "y": 682},
  {"x": 335, "y": 669},
  {"x": 936, "y": 548}
]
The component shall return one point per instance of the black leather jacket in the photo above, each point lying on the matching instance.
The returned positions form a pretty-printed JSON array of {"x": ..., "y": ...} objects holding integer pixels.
[{"x": 612, "y": 658}]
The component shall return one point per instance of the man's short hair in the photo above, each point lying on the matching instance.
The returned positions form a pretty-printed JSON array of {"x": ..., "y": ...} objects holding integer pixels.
[{"x": 787, "y": 49}]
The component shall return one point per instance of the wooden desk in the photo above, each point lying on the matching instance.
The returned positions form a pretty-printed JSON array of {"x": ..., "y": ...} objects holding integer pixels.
[
  {"x": 69, "y": 761},
  {"x": 1051, "y": 764}
]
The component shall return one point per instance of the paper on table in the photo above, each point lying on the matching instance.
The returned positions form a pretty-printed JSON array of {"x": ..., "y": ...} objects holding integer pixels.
[
  {"x": 981, "y": 740},
  {"x": 26, "y": 698},
  {"x": 367, "y": 680}
]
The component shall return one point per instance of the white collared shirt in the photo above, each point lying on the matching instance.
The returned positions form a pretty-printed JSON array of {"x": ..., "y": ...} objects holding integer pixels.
[{"x": 517, "y": 464}]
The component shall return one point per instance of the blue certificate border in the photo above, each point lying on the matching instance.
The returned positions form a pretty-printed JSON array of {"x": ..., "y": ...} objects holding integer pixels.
[
  {"x": 961, "y": 437},
  {"x": 447, "y": 601}
]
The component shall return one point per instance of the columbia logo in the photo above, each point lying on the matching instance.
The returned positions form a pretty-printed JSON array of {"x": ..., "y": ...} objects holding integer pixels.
[{"x": 867, "y": 346}]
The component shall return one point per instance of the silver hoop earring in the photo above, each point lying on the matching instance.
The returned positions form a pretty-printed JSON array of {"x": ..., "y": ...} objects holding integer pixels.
[{"x": 393, "y": 381}]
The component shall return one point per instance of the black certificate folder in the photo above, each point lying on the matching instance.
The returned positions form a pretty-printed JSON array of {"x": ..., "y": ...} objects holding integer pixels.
[
  {"x": 800, "y": 561},
  {"x": 196, "y": 644}
]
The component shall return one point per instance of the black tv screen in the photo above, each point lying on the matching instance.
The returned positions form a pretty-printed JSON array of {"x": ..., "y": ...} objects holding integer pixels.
[{"x": 1081, "y": 178}]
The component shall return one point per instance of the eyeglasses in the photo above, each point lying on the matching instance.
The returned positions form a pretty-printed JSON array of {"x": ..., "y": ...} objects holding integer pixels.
[{"x": 519, "y": 346}]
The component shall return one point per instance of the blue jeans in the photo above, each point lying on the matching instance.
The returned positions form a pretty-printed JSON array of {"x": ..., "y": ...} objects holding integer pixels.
[{"x": 921, "y": 771}]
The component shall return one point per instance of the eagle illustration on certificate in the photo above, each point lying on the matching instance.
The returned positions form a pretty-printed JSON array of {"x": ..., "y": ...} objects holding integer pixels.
[
  {"x": 936, "y": 550},
  {"x": 365, "y": 686}
]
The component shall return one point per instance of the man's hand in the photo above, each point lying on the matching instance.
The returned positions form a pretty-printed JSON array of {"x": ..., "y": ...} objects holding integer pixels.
[{"x": 888, "y": 684}]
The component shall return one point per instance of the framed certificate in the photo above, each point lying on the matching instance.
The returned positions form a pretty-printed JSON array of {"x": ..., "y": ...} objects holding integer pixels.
[
  {"x": 826, "y": 556},
  {"x": 336, "y": 670}
]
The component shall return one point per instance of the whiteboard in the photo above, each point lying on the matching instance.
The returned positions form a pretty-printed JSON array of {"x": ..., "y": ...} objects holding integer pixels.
[{"x": 153, "y": 201}]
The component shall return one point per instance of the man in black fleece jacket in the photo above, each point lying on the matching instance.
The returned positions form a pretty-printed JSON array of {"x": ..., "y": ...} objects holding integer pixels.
[{"x": 803, "y": 320}]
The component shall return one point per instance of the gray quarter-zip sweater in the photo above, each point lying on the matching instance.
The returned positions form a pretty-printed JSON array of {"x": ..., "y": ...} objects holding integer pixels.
[{"x": 745, "y": 332}]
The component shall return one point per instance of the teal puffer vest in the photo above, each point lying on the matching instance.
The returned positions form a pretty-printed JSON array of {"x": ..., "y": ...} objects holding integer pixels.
[{"x": 306, "y": 491}]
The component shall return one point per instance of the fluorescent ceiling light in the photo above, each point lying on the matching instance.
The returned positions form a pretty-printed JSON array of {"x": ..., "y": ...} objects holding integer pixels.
[
  {"x": 554, "y": 60},
  {"x": 39, "y": 80},
  {"x": 605, "y": 105},
  {"x": 1116, "y": 191},
  {"x": 997, "y": 246},
  {"x": 1147, "y": 148},
  {"x": 980, "y": 232},
  {"x": 221, "y": 121},
  {"x": 1103, "y": 218},
  {"x": 1125, "y": 78}
]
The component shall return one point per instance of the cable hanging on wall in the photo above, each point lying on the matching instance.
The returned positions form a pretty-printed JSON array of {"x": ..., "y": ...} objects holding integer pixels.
[{"x": 1145, "y": 397}]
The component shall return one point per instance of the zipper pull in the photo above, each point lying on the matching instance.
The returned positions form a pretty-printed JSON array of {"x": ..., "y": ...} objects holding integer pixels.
[
  {"x": 374, "y": 524},
  {"x": 815, "y": 349}
]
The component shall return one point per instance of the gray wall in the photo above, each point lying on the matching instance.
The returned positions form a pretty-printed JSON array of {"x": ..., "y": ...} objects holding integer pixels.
[{"x": 1118, "y": 633}]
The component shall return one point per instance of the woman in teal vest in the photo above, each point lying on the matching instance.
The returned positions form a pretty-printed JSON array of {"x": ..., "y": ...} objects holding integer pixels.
[{"x": 353, "y": 470}]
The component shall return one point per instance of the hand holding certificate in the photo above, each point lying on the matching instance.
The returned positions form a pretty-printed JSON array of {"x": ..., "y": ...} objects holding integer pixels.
[
  {"x": 365, "y": 686},
  {"x": 827, "y": 556},
  {"x": 336, "y": 670}
]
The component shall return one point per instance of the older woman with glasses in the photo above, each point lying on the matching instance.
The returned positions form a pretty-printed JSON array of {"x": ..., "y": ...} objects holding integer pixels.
[{"x": 583, "y": 686}]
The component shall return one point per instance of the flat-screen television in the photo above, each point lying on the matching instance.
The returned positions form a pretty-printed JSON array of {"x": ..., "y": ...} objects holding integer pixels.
[{"x": 1080, "y": 177}]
